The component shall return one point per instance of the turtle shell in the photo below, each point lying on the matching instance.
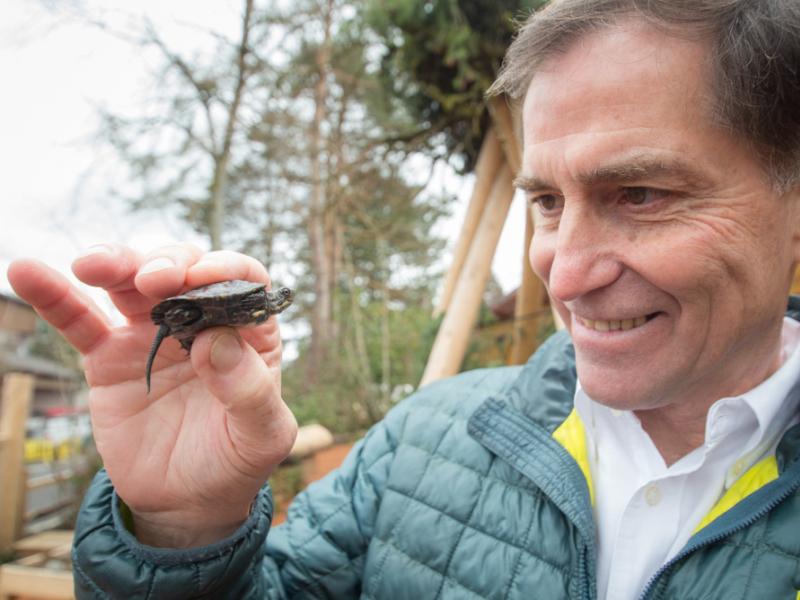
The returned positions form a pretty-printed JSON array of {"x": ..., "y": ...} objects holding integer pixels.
[{"x": 234, "y": 303}]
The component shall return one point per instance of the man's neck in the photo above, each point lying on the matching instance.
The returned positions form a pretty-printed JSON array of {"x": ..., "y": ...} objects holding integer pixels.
[
  {"x": 674, "y": 435},
  {"x": 679, "y": 427}
]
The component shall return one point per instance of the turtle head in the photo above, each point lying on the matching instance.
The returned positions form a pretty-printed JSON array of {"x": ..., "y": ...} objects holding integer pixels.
[{"x": 279, "y": 299}]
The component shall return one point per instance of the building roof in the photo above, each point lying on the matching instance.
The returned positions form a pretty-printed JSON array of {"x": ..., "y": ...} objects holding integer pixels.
[
  {"x": 14, "y": 299},
  {"x": 36, "y": 365}
]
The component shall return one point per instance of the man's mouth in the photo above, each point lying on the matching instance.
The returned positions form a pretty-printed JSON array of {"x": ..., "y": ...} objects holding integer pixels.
[{"x": 615, "y": 325}]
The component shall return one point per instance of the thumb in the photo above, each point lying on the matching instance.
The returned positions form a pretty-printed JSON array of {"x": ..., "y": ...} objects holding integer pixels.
[{"x": 260, "y": 425}]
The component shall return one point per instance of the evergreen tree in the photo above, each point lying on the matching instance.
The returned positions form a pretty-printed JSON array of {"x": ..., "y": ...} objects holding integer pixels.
[{"x": 440, "y": 57}]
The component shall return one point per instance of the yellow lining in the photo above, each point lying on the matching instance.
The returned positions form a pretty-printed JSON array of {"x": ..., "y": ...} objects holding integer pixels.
[
  {"x": 759, "y": 475},
  {"x": 572, "y": 436}
]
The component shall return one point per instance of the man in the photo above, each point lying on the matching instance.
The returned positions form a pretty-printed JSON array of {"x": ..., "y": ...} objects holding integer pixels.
[{"x": 661, "y": 142}]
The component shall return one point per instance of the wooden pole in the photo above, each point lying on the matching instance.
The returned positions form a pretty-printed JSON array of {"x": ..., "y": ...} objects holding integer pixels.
[
  {"x": 504, "y": 123},
  {"x": 489, "y": 161},
  {"x": 17, "y": 393},
  {"x": 452, "y": 338},
  {"x": 532, "y": 291},
  {"x": 531, "y": 300}
]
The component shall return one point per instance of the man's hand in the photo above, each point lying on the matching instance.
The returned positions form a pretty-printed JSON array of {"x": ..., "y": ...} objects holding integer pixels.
[{"x": 189, "y": 458}]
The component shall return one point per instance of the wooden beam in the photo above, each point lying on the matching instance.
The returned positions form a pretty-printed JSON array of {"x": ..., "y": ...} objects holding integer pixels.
[
  {"x": 504, "y": 123},
  {"x": 489, "y": 161},
  {"x": 508, "y": 130},
  {"x": 530, "y": 307},
  {"x": 795, "y": 289},
  {"x": 17, "y": 392},
  {"x": 43, "y": 542},
  {"x": 35, "y": 582},
  {"x": 452, "y": 338}
]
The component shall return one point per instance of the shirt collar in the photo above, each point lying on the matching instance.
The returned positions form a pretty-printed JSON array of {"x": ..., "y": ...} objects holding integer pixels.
[{"x": 775, "y": 400}]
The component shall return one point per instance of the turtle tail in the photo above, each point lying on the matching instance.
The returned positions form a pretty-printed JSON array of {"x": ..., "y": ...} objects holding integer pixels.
[{"x": 163, "y": 332}]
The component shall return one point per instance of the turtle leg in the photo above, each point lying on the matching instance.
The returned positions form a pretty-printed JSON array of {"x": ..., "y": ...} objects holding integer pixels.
[
  {"x": 163, "y": 332},
  {"x": 186, "y": 343}
]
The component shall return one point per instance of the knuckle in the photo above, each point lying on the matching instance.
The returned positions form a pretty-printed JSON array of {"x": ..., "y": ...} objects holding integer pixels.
[
  {"x": 254, "y": 390},
  {"x": 182, "y": 254}
]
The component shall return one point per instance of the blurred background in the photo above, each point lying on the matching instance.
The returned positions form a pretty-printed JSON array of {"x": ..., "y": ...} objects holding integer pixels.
[{"x": 336, "y": 141}]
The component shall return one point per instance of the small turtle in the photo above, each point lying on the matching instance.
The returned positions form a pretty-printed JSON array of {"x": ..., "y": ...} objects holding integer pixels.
[{"x": 234, "y": 303}]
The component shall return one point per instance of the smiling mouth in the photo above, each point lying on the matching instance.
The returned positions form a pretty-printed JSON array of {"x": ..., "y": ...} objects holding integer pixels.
[{"x": 620, "y": 325}]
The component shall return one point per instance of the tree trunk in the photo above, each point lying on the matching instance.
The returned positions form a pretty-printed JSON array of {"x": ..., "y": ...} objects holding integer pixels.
[
  {"x": 386, "y": 374},
  {"x": 320, "y": 230},
  {"x": 216, "y": 216},
  {"x": 219, "y": 185}
]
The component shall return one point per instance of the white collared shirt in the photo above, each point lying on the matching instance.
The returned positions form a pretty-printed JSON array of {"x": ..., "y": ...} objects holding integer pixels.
[{"x": 645, "y": 511}]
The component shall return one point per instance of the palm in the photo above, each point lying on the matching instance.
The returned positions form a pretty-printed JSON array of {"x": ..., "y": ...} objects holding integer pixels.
[{"x": 179, "y": 430}]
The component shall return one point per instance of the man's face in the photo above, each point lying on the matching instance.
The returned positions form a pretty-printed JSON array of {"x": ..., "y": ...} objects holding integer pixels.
[{"x": 664, "y": 248}]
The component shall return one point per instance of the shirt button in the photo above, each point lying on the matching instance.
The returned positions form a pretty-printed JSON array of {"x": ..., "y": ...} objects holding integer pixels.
[
  {"x": 652, "y": 494},
  {"x": 738, "y": 468}
]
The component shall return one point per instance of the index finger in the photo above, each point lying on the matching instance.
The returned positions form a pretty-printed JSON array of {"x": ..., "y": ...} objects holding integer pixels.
[
  {"x": 60, "y": 303},
  {"x": 118, "y": 270}
]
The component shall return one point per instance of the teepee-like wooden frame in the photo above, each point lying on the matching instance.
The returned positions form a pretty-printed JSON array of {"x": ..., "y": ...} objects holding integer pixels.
[{"x": 498, "y": 163}]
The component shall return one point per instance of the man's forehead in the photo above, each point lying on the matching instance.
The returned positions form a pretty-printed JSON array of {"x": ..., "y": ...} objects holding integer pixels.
[{"x": 612, "y": 69}]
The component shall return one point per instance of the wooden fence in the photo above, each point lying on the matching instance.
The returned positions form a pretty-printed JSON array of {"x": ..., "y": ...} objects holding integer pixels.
[
  {"x": 38, "y": 496},
  {"x": 17, "y": 392}
]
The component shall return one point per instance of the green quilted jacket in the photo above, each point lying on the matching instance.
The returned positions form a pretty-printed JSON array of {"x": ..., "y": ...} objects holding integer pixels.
[{"x": 475, "y": 487}]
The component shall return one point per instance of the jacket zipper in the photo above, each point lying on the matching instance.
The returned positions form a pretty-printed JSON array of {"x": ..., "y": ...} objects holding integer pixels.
[{"x": 730, "y": 530}]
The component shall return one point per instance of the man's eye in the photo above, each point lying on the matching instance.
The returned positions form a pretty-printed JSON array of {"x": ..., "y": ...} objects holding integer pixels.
[
  {"x": 641, "y": 195},
  {"x": 548, "y": 202}
]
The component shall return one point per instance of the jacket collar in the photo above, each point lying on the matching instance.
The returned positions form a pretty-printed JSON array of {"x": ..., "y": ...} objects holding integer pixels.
[
  {"x": 544, "y": 390},
  {"x": 517, "y": 426}
]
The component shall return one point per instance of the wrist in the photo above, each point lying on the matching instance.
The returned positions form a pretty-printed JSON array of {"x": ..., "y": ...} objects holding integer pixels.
[{"x": 183, "y": 530}]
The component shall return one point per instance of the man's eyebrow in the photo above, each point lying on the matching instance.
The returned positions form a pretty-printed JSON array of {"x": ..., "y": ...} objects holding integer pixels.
[
  {"x": 629, "y": 170},
  {"x": 530, "y": 183}
]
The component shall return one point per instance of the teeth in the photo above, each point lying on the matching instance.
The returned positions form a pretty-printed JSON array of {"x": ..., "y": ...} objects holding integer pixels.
[{"x": 623, "y": 324}]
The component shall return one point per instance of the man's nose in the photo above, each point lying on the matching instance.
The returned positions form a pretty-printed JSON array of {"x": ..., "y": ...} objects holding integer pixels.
[{"x": 585, "y": 257}]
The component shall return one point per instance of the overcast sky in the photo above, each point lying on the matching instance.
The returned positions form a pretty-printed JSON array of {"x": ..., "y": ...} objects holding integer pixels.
[{"x": 54, "y": 73}]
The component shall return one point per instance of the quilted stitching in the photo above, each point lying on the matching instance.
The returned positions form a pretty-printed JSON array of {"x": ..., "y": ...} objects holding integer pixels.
[
  {"x": 379, "y": 571},
  {"x": 446, "y": 467}
]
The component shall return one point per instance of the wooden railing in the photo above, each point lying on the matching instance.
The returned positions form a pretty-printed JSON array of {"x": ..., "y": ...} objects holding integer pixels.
[{"x": 17, "y": 392}]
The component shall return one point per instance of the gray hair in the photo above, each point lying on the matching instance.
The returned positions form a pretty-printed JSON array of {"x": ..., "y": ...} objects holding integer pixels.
[{"x": 755, "y": 61}]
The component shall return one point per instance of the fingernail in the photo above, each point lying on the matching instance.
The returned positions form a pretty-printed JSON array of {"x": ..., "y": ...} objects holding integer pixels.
[
  {"x": 157, "y": 264},
  {"x": 226, "y": 352},
  {"x": 97, "y": 249}
]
